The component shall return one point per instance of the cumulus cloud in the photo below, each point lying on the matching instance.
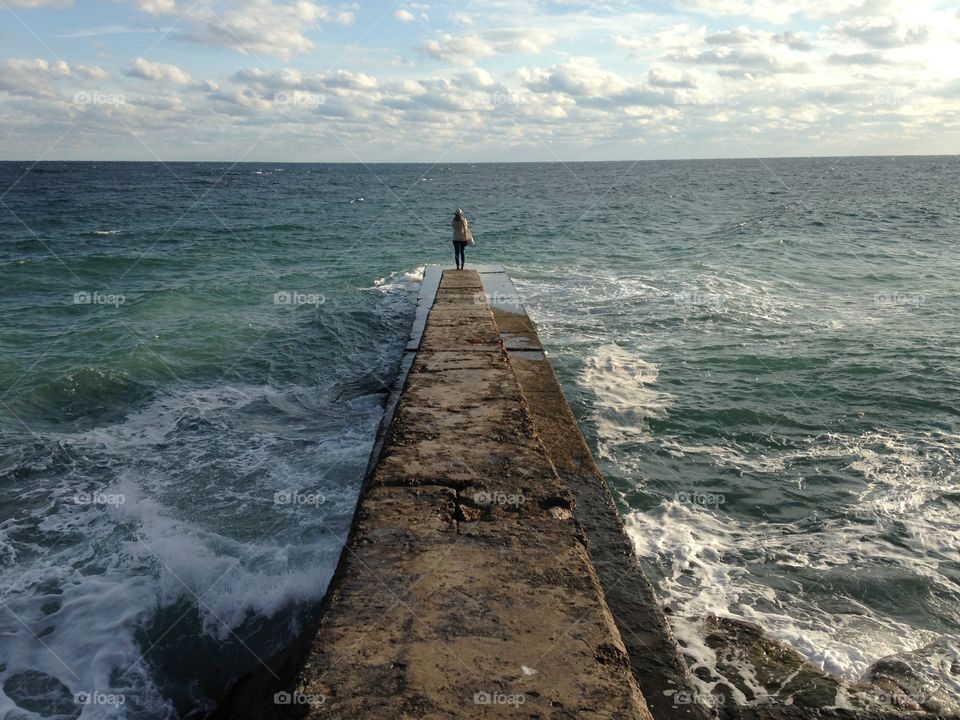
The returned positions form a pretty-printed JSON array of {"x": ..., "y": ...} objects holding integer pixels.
[
  {"x": 667, "y": 77},
  {"x": 340, "y": 82},
  {"x": 404, "y": 15},
  {"x": 468, "y": 49},
  {"x": 157, "y": 7},
  {"x": 157, "y": 72},
  {"x": 163, "y": 103},
  {"x": 91, "y": 72},
  {"x": 578, "y": 77},
  {"x": 864, "y": 58},
  {"x": 793, "y": 40},
  {"x": 740, "y": 62},
  {"x": 32, "y": 78},
  {"x": 261, "y": 27},
  {"x": 884, "y": 32},
  {"x": 763, "y": 39},
  {"x": 237, "y": 101}
]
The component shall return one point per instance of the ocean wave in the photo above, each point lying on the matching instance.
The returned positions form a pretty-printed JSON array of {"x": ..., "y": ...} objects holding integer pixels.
[
  {"x": 821, "y": 584},
  {"x": 401, "y": 281},
  {"x": 167, "y": 524}
]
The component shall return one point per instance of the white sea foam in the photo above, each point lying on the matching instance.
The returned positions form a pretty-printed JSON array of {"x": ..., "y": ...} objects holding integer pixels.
[
  {"x": 620, "y": 381},
  {"x": 713, "y": 564},
  {"x": 403, "y": 281},
  {"x": 89, "y": 601}
]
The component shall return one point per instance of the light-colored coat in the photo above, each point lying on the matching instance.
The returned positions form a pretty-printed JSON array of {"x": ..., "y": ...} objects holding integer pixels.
[{"x": 461, "y": 233}]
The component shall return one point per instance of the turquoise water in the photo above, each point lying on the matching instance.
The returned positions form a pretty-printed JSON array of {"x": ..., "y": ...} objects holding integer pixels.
[{"x": 763, "y": 355}]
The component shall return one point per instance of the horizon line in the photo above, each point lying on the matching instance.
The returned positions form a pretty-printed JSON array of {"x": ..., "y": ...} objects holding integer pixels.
[{"x": 481, "y": 162}]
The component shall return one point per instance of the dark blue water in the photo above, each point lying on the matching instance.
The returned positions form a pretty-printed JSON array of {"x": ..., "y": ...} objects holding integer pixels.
[{"x": 763, "y": 354}]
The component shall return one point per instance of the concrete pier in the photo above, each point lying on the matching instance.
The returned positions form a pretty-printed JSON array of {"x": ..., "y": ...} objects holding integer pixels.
[
  {"x": 470, "y": 586},
  {"x": 487, "y": 573}
]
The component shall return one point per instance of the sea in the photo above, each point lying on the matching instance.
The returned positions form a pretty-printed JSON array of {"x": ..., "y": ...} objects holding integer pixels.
[{"x": 762, "y": 353}]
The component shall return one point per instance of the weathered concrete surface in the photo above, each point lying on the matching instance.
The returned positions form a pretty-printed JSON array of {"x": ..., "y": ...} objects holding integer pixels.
[
  {"x": 465, "y": 589},
  {"x": 655, "y": 658}
]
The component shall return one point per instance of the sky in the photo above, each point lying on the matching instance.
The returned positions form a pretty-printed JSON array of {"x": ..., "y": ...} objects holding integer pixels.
[{"x": 489, "y": 80}]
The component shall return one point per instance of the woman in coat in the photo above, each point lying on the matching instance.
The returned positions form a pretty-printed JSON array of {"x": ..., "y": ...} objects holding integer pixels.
[{"x": 461, "y": 236}]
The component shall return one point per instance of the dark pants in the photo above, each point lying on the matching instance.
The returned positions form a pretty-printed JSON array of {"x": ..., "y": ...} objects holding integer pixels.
[{"x": 459, "y": 257}]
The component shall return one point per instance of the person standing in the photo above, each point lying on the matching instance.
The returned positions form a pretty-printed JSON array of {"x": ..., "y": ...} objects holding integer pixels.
[{"x": 461, "y": 238}]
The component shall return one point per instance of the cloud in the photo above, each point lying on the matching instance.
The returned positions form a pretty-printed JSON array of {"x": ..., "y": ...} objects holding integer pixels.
[
  {"x": 793, "y": 40},
  {"x": 462, "y": 18},
  {"x": 261, "y": 27},
  {"x": 767, "y": 10},
  {"x": 468, "y": 49},
  {"x": 340, "y": 82},
  {"x": 577, "y": 77},
  {"x": 864, "y": 58},
  {"x": 157, "y": 7},
  {"x": 884, "y": 33},
  {"x": 164, "y": 103},
  {"x": 737, "y": 36},
  {"x": 666, "y": 77},
  {"x": 32, "y": 78},
  {"x": 91, "y": 72},
  {"x": 758, "y": 38},
  {"x": 157, "y": 72},
  {"x": 238, "y": 101},
  {"x": 589, "y": 85},
  {"x": 99, "y": 30},
  {"x": 739, "y": 62},
  {"x": 609, "y": 80},
  {"x": 39, "y": 3}
]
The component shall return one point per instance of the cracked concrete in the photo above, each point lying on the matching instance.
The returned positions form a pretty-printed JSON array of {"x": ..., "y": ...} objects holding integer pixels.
[{"x": 465, "y": 589}]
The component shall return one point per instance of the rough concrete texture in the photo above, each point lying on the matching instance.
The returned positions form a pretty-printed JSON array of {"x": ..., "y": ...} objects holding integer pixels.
[
  {"x": 655, "y": 658},
  {"x": 465, "y": 589}
]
